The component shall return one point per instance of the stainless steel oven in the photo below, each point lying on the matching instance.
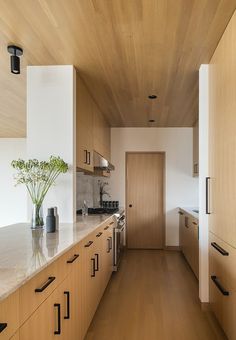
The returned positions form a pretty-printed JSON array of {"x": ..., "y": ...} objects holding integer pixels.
[{"x": 119, "y": 240}]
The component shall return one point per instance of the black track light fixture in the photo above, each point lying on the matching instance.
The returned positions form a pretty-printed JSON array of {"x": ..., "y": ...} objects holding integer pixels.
[{"x": 15, "y": 52}]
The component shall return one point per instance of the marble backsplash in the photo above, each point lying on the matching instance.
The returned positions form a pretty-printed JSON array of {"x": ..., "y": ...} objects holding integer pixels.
[{"x": 87, "y": 189}]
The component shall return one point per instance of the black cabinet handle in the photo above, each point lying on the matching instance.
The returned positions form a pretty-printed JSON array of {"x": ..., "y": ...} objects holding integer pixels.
[
  {"x": 88, "y": 244},
  {"x": 181, "y": 213},
  {"x": 111, "y": 223},
  {"x": 88, "y": 158},
  {"x": 93, "y": 268},
  {"x": 3, "y": 326},
  {"x": 85, "y": 156},
  {"x": 106, "y": 227},
  {"x": 73, "y": 258},
  {"x": 195, "y": 223},
  {"x": 218, "y": 285},
  {"x": 99, "y": 234},
  {"x": 207, "y": 195},
  {"x": 108, "y": 243},
  {"x": 219, "y": 249},
  {"x": 110, "y": 238},
  {"x": 45, "y": 285},
  {"x": 97, "y": 263},
  {"x": 130, "y": 205},
  {"x": 58, "y": 306},
  {"x": 67, "y": 294}
]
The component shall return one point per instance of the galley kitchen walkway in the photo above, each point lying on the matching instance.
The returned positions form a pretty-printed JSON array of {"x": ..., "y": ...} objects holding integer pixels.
[{"x": 154, "y": 296}]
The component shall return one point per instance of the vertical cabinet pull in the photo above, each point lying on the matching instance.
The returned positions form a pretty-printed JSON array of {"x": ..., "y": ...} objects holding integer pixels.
[
  {"x": 108, "y": 245},
  {"x": 110, "y": 238},
  {"x": 207, "y": 195},
  {"x": 218, "y": 285},
  {"x": 45, "y": 285},
  {"x": 93, "y": 267},
  {"x": 97, "y": 263},
  {"x": 219, "y": 249},
  {"x": 85, "y": 156},
  {"x": 58, "y": 307},
  {"x": 88, "y": 158},
  {"x": 67, "y": 294},
  {"x": 3, "y": 326}
]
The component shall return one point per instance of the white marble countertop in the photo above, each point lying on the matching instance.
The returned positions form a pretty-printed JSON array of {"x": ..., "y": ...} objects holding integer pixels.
[
  {"x": 190, "y": 211},
  {"x": 25, "y": 252}
]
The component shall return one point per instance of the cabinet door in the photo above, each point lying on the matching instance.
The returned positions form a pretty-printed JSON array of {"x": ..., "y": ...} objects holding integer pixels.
[
  {"x": 222, "y": 141},
  {"x": 46, "y": 321},
  {"x": 195, "y": 150},
  {"x": 101, "y": 133},
  {"x": 9, "y": 316},
  {"x": 84, "y": 126}
]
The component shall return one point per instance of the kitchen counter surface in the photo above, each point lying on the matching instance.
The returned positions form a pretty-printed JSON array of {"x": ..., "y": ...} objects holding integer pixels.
[
  {"x": 25, "y": 252},
  {"x": 189, "y": 211}
]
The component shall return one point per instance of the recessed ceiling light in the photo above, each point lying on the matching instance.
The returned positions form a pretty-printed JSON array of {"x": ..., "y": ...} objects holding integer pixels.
[
  {"x": 151, "y": 120},
  {"x": 152, "y": 96}
]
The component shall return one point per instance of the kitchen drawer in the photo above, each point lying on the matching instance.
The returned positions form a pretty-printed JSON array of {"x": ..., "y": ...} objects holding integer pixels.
[
  {"x": 224, "y": 308},
  {"x": 45, "y": 282},
  {"x": 222, "y": 261},
  {"x": 9, "y": 316}
]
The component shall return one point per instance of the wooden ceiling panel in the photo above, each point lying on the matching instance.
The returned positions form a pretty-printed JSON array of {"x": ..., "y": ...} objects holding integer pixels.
[{"x": 124, "y": 51}]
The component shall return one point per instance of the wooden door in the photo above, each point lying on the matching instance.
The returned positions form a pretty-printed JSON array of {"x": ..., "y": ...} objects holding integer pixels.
[{"x": 144, "y": 199}]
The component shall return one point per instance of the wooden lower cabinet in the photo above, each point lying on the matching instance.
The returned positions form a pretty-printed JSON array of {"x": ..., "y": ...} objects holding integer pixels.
[
  {"x": 189, "y": 240},
  {"x": 222, "y": 259},
  {"x": 9, "y": 316},
  {"x": 67, "y": 311}
]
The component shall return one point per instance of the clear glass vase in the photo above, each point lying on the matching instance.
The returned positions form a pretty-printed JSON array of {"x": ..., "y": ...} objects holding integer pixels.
[{"x": 37, "y": 217}]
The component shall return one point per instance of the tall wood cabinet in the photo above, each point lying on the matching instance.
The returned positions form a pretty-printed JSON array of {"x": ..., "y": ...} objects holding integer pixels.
[
  {"x": 196, "y": 149},
  {"x": 222, "y": 183},
  {"x": 92, "y": 129}
]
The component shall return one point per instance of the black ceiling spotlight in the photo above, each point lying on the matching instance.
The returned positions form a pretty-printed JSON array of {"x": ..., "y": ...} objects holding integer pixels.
[
  {"x": 152, "y": 96},
  {"x": 15, "y": 52}
]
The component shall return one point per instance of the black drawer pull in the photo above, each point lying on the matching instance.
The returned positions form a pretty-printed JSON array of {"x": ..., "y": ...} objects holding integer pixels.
[
  {"x": 195, "y": 223},
  {"x": 219, "y": 249},
  {"x": 110, "y": 238},
  {"x": 181, "y": 213},
  {"x": 3, "y": 326},
  {"x": 67, "y": 294},
  {"x": 99, "y": 234},
  {"x": 106, "y": 227},
  {"x": 207, "y": 196},
  {"x": 73, "y": 258},
  {"x": 218, "y": 285},
  {"x": 111, "y": 223},
  {"x": 88, "y": 244},
  {"x": 97, "y": 263},
  {"x": 89, "y": 158},
  {"x": 45, "y": 285},
  {"x": 85, "y": 156},
  {"x": 93, "y": 268},
  {"x": 58, "y": 306}
]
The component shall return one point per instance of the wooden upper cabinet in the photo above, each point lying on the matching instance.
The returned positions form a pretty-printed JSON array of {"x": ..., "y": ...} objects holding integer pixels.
[
  {"x": 101, "y": 133},
  {"x": 84, "y": 126},
  {"x": 222, "y": 137},
  {"x": 195, "y": 150},
  {"x": 92, "y": 129}
]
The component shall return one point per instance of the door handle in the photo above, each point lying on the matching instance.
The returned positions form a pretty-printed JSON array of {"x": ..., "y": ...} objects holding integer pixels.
[
  {"x": 58, "y": 306},
  {"x": 93, "y": 268},
  {"x": 97, "y": 263},
  {"x": 130, "y": 205},
  {"x": 67, "y": 294}
]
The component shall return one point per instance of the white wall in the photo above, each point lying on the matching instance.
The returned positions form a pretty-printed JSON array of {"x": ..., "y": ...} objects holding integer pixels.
[
  {"x": 13, "y": 203},
  {"x": 51, "y": 128},
  {"x": 181, "y": 187},
  {"x": 203, "y": 173}
]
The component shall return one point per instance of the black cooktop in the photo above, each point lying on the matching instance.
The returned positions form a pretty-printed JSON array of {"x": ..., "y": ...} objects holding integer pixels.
[{"x": 94, "y": 211}]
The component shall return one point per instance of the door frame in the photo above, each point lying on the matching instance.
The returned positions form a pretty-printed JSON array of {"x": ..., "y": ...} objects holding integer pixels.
[{"x": 163, "y": 197}]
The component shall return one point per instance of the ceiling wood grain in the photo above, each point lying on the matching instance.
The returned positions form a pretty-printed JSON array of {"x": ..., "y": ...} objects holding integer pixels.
[{"x": 123, "y": 49}]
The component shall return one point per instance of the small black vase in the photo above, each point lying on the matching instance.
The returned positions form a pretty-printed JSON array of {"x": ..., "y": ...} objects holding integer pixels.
[{"x": 51, "y": 221}]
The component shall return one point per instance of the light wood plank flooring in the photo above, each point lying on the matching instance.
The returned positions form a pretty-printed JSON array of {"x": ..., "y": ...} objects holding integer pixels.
[{"x": 154, "y": 296}]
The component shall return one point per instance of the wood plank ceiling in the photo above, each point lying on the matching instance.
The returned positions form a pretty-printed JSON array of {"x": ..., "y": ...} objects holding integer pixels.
[{"x": 124, "y": 50}]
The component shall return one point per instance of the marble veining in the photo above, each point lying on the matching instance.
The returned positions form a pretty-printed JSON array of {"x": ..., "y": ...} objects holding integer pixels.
[{"x": 25, "y": 252}]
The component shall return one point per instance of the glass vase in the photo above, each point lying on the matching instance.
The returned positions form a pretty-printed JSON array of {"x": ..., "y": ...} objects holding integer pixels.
[{"x": 37, "y": 217}]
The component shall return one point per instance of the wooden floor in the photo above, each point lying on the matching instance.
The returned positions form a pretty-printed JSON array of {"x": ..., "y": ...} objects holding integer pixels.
[{"x": 154, "y": 296}]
